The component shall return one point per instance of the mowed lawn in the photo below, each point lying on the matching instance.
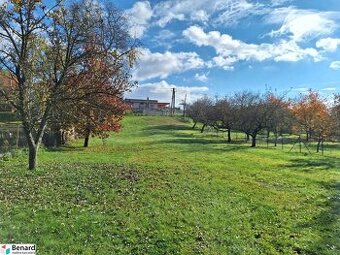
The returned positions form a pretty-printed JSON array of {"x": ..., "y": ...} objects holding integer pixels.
[{"x": 159, "y": 187}]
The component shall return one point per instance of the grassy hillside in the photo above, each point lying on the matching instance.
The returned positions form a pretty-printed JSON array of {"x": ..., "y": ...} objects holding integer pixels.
[{"x": 159, "y": 187}]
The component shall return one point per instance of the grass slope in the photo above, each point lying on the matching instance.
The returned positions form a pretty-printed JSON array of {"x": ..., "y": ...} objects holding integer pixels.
[{"x": 160, "y": 187}]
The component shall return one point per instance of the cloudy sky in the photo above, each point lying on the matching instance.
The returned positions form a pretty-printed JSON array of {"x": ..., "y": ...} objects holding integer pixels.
[{"x": 214, "y": 48}]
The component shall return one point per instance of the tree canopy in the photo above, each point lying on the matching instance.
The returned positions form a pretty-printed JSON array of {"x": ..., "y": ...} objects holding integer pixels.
[{"x": 67, "y": 60}]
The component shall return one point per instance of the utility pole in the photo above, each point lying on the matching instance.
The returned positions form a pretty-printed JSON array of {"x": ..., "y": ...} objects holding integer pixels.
[
  {"x": 147, "y": 105},
  {"x": 185, "y": 105},
  {"x": 173, "y": 102}
]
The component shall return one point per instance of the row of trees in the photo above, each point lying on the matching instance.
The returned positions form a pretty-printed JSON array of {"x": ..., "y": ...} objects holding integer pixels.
[
  {"x": 253, "y": 113},
  {"x": 70, "y": 64}
]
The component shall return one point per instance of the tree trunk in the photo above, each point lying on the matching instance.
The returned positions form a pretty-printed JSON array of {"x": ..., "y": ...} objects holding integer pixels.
[
  {"x": 33, "y": 144},
  {"x": 247, "y": 138},
  {"x": 32, "y": 158},
  {"x": 253, "y": 141},
  {"x": 275, "y": 141},
  {"x": 229, "y": 136},
  {"x": 268, "y": 134},
  {"x": 318, "y": 145},
  {"x": 202, "y": 129},
  {"x": 194, "y": 125},
  {"x": 307, "y": 136},
  {"x": 87, "y": 138},
  {"x": 58, "y": 138},
  {"x": 63, "y": 138}
]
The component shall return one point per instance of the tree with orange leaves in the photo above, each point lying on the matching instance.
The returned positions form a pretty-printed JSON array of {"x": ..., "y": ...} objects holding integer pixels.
[
  {"x": 313, "y": 117},
  {"x": 95, "y": 94}
]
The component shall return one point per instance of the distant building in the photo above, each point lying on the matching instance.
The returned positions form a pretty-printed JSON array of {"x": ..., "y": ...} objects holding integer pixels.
[{"x": 147, "y": 106}]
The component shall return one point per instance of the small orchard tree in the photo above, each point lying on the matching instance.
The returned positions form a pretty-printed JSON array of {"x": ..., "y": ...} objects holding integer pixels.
[
  {"x": 97, "y": 94},
  {"x": 253, "y": 113},
  {"x": 202, "y": 111},
  {"x": 281, "y": 119},
  {"x": 323, "y": 126},
  {"x": 309, "y": 112},
  {"x": 99, "y": 118},
  {"x": 224, "y": 115},
  {"x": 335, "y": 115}
]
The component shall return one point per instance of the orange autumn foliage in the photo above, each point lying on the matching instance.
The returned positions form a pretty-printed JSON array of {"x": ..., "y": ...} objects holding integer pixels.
[{"x": 312, "y": 116}]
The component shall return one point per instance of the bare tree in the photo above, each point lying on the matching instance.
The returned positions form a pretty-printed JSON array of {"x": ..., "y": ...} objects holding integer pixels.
[
  {"x": 224, "y": 115},
  {"x": 201, "y": 111},
  {"x": 281, "y": 119},
  {"x": 253, "y": 113}
]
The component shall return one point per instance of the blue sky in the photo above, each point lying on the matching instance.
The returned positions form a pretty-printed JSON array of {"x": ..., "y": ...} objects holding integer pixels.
[{"x": 215, "y": 48}]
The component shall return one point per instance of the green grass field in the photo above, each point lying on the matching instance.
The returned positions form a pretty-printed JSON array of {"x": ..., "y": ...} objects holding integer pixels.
[{"x": 159, "y": 187}]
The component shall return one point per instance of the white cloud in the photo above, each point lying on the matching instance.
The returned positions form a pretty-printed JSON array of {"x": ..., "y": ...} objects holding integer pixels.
[
  {"x": 201, "y": 77},
  {"x": 230, "y": 50},
  {"x": 289, "y": 51},
  {"x": 301, "y": 89},
  {"x": 165, "y": 38},
  {"x": 162, "y": 92},
  {"x": 139, "y": 16},
  {"x": 152, "y": 65},
  {"x": 200, "y": 15},
  {"x": 280, "y": 2},
  {"x": 298, "y": 24},
  {"x": 232, "y": 11},
  {"x": 329, "y": 89},
  {"x": 165, "y": 34},
  {"x": 226, "y": 12},
  {"x": 328, "y": 44},
  {"x": 224, "y": 62},
  {"x": 335, "y": 65},
  {"x": 301, "y": 24},
  {"x": 166, "y": 11}
]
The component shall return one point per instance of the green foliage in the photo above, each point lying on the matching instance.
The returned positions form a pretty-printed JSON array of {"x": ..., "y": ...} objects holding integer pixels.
[{"x": 159, "y": 187}]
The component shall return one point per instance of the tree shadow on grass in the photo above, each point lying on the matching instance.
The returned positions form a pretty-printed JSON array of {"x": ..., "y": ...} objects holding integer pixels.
[
  {"x": 193, "y": 140},
  {"x": 175, "y": 130},
  {"x": 66, "y": 148},
  {"x": 326, "y": 224},
  {"x": 165, "y": 129},
  {"x": 197, "y": 145},
  {"x": 312, "y": 163}
]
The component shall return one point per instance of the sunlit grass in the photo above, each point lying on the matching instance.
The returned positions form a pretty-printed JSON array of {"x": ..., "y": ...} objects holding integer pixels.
[{"x": 160, "y": 187}]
